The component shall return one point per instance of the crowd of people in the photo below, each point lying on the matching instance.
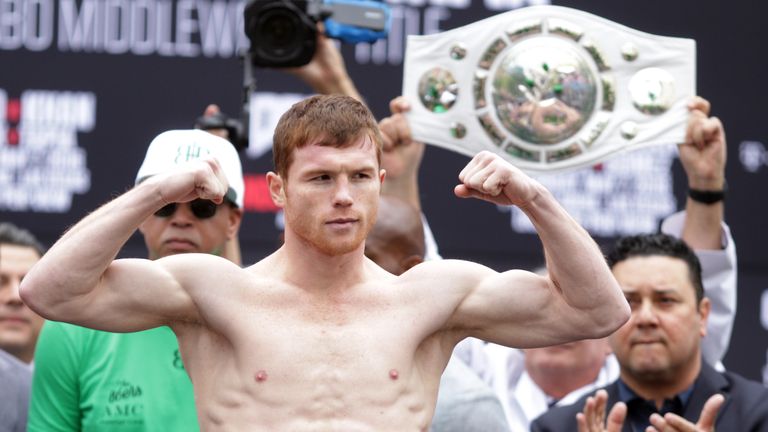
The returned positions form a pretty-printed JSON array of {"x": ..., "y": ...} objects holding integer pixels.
[{"x": 356, "y": 322}]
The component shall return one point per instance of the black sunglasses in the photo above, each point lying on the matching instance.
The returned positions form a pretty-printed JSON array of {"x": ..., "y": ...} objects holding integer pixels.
[{"x": 202, "y": 209}]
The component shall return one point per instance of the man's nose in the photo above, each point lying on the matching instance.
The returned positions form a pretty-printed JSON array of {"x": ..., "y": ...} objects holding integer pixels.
[
  {"x": 342, "y": 196},
  {"x": 645, "y": 314},
  {"x": 183, "y": 215},
  {"x": 10, "y": 292}
]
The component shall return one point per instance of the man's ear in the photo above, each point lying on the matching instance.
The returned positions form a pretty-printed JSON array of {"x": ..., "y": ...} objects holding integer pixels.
[
  {"x": 235, "y": 217},
  {"x": 276, "y": 189},
  {"x": 704, "y": 307},
  {"x": 382, "y": 175}
]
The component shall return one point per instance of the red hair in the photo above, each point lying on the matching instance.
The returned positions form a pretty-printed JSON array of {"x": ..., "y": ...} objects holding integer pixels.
[{"x": 325, "y": 120}]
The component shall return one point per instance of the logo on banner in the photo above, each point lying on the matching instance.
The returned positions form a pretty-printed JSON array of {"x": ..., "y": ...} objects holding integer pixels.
[
  {"x": 627, "y": 195},
  {"x": 41, "y": 164}
]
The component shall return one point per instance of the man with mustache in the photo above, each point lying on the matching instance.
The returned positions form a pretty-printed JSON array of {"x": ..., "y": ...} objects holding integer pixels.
[
  {"x": 19, "y": 325},
  {"x": 664, "y": 384},
  {"x": 667, "y": 381}
]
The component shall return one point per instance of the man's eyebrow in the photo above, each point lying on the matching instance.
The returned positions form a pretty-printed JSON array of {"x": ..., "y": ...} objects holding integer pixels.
[
  {"x": 663, "y": 291},
  {"x": 315, "y": 171},
  {"x": 655, "y": 291},
  {"x": 365, "y": 168}
]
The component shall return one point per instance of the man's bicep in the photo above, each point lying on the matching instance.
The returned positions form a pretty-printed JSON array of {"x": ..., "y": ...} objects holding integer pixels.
[
  {"x": 488, "y": 297},
  {"x": 134, "y": 295},
  {"x": 516, "y": 308}
]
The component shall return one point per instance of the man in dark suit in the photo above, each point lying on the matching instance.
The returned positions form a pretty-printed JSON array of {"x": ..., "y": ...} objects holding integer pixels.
[{"x": 663, "y": 383}]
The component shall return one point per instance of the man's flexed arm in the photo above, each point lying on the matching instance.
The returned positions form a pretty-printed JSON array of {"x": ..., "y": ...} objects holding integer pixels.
[
  {"x": 78, "y": 281},
  {"x": 579, "y": 299}
]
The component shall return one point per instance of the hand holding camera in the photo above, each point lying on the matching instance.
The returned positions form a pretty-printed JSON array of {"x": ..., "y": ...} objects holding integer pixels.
[{"x": 283, "y": 33}]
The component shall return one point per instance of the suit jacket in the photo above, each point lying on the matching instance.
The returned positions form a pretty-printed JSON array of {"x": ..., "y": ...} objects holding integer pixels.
[{"x": 745, "y": 408}]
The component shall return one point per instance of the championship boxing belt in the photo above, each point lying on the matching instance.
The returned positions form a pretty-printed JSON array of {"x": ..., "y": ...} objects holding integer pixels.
[{"x": 549, "y": 88}]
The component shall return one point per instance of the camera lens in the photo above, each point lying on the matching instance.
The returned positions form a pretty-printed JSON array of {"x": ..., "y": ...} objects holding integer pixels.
[{"x": 281, "y": 33}]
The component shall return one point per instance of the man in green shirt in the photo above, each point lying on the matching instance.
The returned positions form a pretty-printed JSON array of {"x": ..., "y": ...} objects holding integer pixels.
[{"x": 89, "y": 380}]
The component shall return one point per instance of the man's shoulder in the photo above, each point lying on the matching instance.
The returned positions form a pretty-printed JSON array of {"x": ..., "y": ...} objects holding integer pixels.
[
  {"x": 745, "y": 390},
  {"x": 562, "y": 418},
  {"x": 746, "y": 401},
  {"x": 84, "y": 338},
  {"x": 57, "y": 335},
  {"x": 448, "y": 271},
  {"x": 15, "y": 381},
  {"x": 13, "y": 372},
  {"x": 59, "y": 330}
]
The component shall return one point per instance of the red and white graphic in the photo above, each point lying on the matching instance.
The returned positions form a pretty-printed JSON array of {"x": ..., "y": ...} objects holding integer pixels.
[{"x": 41, "y": 164}]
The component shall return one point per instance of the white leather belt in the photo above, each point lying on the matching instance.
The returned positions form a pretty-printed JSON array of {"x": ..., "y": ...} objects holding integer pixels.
[{"x": 549, "y": 88}]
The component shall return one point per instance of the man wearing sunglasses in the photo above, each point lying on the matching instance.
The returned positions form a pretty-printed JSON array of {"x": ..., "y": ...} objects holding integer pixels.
[
  {"x": 170, "y": 230},
  {"x": 94, "y": 380}
]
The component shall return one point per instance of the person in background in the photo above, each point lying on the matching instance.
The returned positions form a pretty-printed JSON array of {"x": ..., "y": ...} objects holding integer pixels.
[
  {"x": 561, "y": 375},
  {"x": 15, "y": 378},
  {"x": 19, "y": 325},
  {"x": 703, "y": 156},
  {"x": 665, "y": 384}
]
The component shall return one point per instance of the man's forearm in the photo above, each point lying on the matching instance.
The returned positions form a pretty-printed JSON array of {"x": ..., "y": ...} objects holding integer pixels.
[
  {"x": 703, "y": 222},
  {"x": 575, "y": 263},
  {"x": 75, "y": 263}
]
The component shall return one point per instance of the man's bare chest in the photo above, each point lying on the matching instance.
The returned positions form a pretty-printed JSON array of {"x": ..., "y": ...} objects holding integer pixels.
[{"x": 334, "y": 333}]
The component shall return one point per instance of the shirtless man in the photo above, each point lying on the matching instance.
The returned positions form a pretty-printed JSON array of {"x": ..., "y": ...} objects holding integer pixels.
[{"x": 316, "y": 336}]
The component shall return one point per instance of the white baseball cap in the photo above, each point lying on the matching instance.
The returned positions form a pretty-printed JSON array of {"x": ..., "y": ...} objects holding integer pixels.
[{"x": 177, "y": 147}]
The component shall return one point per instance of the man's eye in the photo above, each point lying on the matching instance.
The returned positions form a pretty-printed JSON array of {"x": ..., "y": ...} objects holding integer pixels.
[{"x": 362, "y": 175}]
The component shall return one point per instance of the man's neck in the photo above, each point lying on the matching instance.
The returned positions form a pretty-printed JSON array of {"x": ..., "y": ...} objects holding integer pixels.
[
  {"x": 663, "y": 386},
  {"x": 310, "y": 268}
]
